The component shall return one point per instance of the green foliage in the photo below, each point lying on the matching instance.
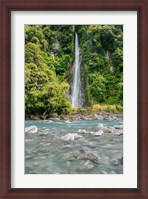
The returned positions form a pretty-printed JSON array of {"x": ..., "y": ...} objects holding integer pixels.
[
  {"x": 117, "y": 60},
  {"x": 43, "y": 91},
  {"x": 102, "y": 54},
  {"x": 49, "y": 57},
  {"x": 97, "y": 87},
  {"x": 106, "y": 108},
  {"x": 61, "y": 64},
  {"x": 33, "y": 54}
]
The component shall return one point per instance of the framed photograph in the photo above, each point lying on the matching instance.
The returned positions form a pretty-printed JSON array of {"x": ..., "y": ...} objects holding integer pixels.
[{"x": 74, "y": 99}]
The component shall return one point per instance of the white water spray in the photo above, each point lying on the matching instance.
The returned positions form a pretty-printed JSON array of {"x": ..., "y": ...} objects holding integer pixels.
[{"x": 76, "y": 89}]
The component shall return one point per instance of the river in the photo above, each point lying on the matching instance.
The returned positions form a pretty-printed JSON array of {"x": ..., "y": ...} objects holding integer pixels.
[{"x": 46, "y": 152}]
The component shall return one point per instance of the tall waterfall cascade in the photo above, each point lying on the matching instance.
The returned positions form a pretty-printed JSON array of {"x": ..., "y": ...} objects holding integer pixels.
[{"x": 76, "y": 87}]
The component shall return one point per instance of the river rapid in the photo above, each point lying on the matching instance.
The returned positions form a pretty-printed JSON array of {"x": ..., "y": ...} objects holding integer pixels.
[{"x": 74, "y": 147}]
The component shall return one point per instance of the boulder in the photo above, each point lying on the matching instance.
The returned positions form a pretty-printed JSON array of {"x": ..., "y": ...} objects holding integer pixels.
[
  {"x": 103, "y": 172},
  {"x": 55, "y": 118},
  {"x": 106, "y": 130},
  {"x": 118, "y": 126},
  {"x": 54, "y": 115},
  {"x": 99, "y": 127},
  {"x": 82, "y": 111},
  {"x": 93, "y": 157},
  {"x": 112, "y": 172},
  {"x": 112, "y": 129},
  {"x": 31, "y": 129},
  {"x": 103, "y": 128},
  {"x": 71, "y": 157},
  {"x": 117, "y": 132},
  {"x": 34, "y": 117},
  {"x": 82, "y": 117},
  {"x": 88, "y": 165},
  {"x": 117, "y": 161},
  {"x": 94, "y": 117},
  {"x": 100, "y": 117},
  {"x": 83, "y": 131},
  {"x": 70, "y": 137},
  {"x": 67, "y": 122},
  {"x": 98, "y": 133},
  {"x": 84, "y": 149}
]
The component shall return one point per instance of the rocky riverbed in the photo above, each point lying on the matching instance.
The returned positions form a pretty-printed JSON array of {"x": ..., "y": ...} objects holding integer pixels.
[
  {"x": 80, "y": 115},
  {"x": 78, "y": 146}
]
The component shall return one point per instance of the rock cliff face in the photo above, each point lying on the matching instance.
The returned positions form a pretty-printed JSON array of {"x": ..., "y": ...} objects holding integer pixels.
[{"x": 84, "y": 84}]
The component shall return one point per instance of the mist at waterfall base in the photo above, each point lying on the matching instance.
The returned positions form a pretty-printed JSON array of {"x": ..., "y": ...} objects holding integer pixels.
[
  {"x": 47, "y": 153},
  {"x": 76, "y": 87}
]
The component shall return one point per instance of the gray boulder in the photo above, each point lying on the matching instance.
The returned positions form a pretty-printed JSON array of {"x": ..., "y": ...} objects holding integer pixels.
[
  {"x": 98, "y": 133},
  {"x": 82, "y": 131},
  {"x": 118, "y": 126},
  {"x": 31, "y": 129},
  {"x": 54, "y": 115},
  {"x": 103, "y": 172},
  {"x": 117, "y": 132},
  {"x": 117, "y": 161},
  {"x": 88, "y": 165},
  {"x": 100, "y": 117},
  {"x": 70, "y": 137},
  {"x": 93, "y": 157},
  {"x": 82, "y": 117},
  {"x": 103, "y": 128},
  {"x": 71, "y": 157}
]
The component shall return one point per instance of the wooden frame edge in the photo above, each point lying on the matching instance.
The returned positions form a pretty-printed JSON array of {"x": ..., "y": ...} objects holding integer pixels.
[{"x": 6, "y": 190}]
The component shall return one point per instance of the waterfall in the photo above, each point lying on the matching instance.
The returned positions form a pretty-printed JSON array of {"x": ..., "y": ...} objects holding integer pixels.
[{"x": 76, "y": 88}]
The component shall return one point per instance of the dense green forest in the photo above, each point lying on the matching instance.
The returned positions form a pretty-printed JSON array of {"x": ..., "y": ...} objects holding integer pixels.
[{"x": 49, "y": 58}]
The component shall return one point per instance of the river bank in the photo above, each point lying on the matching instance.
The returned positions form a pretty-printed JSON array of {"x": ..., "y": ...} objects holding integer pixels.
[{"x": 81, "y": 115}]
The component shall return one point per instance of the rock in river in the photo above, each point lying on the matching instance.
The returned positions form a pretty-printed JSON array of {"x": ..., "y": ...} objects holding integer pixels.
[
  {"x": 31, "y": 129},
  {"x": 118, "y": 126},
  {"x": 99, "y": 133},
  {"x": 117, "y": 161},
  {"x": 93, "y": 157},
  {"x": 70, "y": 137},
  {"x": 88, "y": 165},
  {"x": 103, "y": 128},
  {"x": 83, "y": 131}
]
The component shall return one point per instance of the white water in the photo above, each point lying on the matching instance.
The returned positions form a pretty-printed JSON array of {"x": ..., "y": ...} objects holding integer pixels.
[
  {"x": 47, "y": 153},
  {"x": 76, "y": 89}
]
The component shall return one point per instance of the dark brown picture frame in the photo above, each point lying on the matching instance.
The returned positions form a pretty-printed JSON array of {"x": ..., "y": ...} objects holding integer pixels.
[{"x": 141, "y": 6}]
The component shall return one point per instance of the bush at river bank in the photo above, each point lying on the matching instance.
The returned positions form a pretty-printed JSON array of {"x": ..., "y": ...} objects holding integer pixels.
[{"x": 97, "y": 111}]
